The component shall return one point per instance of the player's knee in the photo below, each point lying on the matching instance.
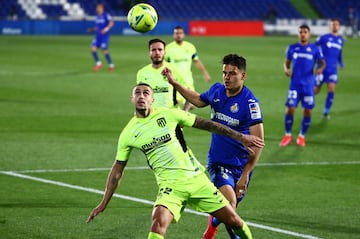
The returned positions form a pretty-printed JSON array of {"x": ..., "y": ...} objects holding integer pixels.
[
  {"x": 105, "y": 51},
  {"x": 93, "y": 49},
  {"x": 290, "y": 110}
]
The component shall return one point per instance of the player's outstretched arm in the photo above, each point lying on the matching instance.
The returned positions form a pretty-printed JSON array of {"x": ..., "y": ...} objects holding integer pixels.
[
  {"x": 192, "y": 96},
  {"x": 114, "y": 177},
  {"x": 247, "y": 140}
]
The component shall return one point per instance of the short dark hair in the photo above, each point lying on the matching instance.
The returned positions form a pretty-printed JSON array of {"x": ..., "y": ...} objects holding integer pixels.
[
  {"x": 155, "y": 40},
  {"x": 304, "y": 26},
  {"x": 144, "y": 84},
  {"x": 178, "y": 28},
  {"x": 235, "y": 60},
  {"x": 335, "y": 20}
]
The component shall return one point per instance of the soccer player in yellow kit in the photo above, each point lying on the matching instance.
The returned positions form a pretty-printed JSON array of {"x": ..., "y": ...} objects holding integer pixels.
[
  {"x": 180, "y": 177},
  {"x": 182, "y": 54}
]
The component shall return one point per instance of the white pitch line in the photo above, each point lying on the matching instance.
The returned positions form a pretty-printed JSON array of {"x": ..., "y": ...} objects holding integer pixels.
[
  {"x": 147, "y": 167},
  {"x": 148, "y": 202}
]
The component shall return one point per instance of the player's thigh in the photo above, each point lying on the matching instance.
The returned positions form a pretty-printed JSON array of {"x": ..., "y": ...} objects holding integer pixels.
[
  {"x": 292, "y": 99},
  {"x": 205, "y": 197},
  {"x": 307, "y": 98},
  {"x": 171, "y": 198},
  {"x": 104, "y": 43}
]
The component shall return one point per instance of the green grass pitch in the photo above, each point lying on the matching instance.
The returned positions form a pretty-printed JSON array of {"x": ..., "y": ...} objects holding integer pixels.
[{"x": 58, "y": 116}]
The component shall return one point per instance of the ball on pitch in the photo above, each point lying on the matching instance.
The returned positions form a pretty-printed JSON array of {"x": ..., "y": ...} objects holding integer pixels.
[{"x": 142, "y": 17}]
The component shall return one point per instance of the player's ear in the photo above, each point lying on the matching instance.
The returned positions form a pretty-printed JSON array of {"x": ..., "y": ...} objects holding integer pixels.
[{"x": 243, "y": 75}]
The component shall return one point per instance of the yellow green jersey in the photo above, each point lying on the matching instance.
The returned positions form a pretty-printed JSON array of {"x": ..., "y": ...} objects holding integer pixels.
[
  {"x": 182, "y": 56},
  {"x": 164, "y": 93},
  {"x": 155, "y": 136}
]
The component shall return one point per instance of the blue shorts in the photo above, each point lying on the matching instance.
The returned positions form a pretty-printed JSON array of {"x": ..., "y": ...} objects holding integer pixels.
[
  {"x": 226, "y": 175},
  {"x": 101, "y": 42},
  {"x": 303, "y": 94},
  {"x": 327, "y": 77}
]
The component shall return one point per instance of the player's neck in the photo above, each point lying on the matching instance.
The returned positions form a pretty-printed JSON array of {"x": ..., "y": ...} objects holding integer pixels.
[
  {"x": 157, "y": 65},
  {"x": 143, "y": 113},
  {"x": 233, "y": 92}
]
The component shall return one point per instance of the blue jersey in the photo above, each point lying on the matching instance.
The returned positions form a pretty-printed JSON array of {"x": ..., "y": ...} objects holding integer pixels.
[
  {"x": 101, "y": 22},
  {"x": 303, "y": 58},
  {"x": 331, "y": 47},
  {"x": 239, "y": 113}
]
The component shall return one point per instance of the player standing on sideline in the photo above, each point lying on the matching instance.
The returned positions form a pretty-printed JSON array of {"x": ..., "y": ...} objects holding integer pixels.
[
  {"x": 181, "y": 178},
  {"x": 331, "y": 45},
  {"x": 303, "y": 55},
  {"x": 230, "y": 164},
  {"x": 182, "y": 54},
  {"x": 104, "y": 23}
]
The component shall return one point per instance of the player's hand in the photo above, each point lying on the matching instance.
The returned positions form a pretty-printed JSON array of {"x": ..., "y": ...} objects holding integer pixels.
[
  {"x": 288, "y": 72},
  {"x": 318, "y": 71},
  {"x": 241, "y": 185},
  {"x": 96, "y": 211},
  {"x": 251, "y": 140},
  {"x": 168, "y": 74}
]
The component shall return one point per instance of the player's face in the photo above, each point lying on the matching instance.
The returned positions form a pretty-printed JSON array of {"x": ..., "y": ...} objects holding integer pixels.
[
  {"x": 233, "y": 78},
  {"x": 157, "y": 53},
  {"x": 99, "y": 9},
  {"x": 334, "y": 26},
  {"x": 179, "y": 35},
  {"x": 304, "y": 35},
  {"x": 142, "y": 98}
]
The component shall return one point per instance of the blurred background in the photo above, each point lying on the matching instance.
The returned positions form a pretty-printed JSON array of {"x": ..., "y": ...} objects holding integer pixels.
[{"x": 198, "y": 17}]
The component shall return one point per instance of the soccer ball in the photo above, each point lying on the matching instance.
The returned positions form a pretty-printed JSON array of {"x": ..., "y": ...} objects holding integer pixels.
[{"x": 142, "y": 17}]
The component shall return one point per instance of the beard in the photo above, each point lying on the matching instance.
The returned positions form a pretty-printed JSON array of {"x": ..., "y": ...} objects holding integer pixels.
[{"x": 157, "y": 61}]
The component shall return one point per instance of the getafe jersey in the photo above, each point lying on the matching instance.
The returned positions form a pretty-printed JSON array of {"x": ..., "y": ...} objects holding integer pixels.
[
  {"x": 155, "y": 137},
  {"x": 239, "y": 113},
  {"x": 331, "y": 47},
  {"x": 303, "y": 58},
  {"x": 164, "y": 93},
  {"x": 182, "y": 56},
  {"x": 101, "y": 22}
]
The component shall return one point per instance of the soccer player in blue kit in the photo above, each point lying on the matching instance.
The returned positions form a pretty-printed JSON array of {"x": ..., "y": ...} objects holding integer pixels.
[
  {"x": 230, "y": 165},
  {"x": 303, "y": 55},
  {"x": 104, "y": 23},
  {"x": 331, "y": 45}
]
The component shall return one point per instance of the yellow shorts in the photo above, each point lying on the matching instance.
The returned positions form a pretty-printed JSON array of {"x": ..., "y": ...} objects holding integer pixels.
[{"x": 198, "y": 192}]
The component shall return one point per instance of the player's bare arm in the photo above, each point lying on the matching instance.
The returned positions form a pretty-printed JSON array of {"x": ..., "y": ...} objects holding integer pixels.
[
  {"x": 202, "y": 68},
  {"x": 287, "y": 67},
  {"x": 256, "y": 130},
  {"x": 192, "y": 96},
  {"x": 108, "y": 27},
  {"x": 322, "y": 66},
  {"x": 113, "y": 180},
  {"x": 247, "y": 140}
]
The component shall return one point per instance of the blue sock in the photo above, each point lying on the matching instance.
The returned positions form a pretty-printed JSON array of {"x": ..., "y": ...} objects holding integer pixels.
[
  {"x": 231, "y": 233},
  {"x": 289, "y": 119},
  {"x": 215, "y": 222},
  {"x": 108, "y": 58},
  {"x": 95, "y": 55},
  {"x": 305, "y": 125},
  {"x": 328, "y": 102}
]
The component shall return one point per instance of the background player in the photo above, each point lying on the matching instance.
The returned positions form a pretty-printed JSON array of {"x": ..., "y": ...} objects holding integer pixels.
[
  {"x": 331, "y": 45},
  {"x": 104, "y": 23},
  {"x": 303, "y": 55},
  {"x": 183, "y": 53},
  {"x": 234, "y": 105},
  {"x": 164, "y": 93},
  {"x": 180, "y": 178}
]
